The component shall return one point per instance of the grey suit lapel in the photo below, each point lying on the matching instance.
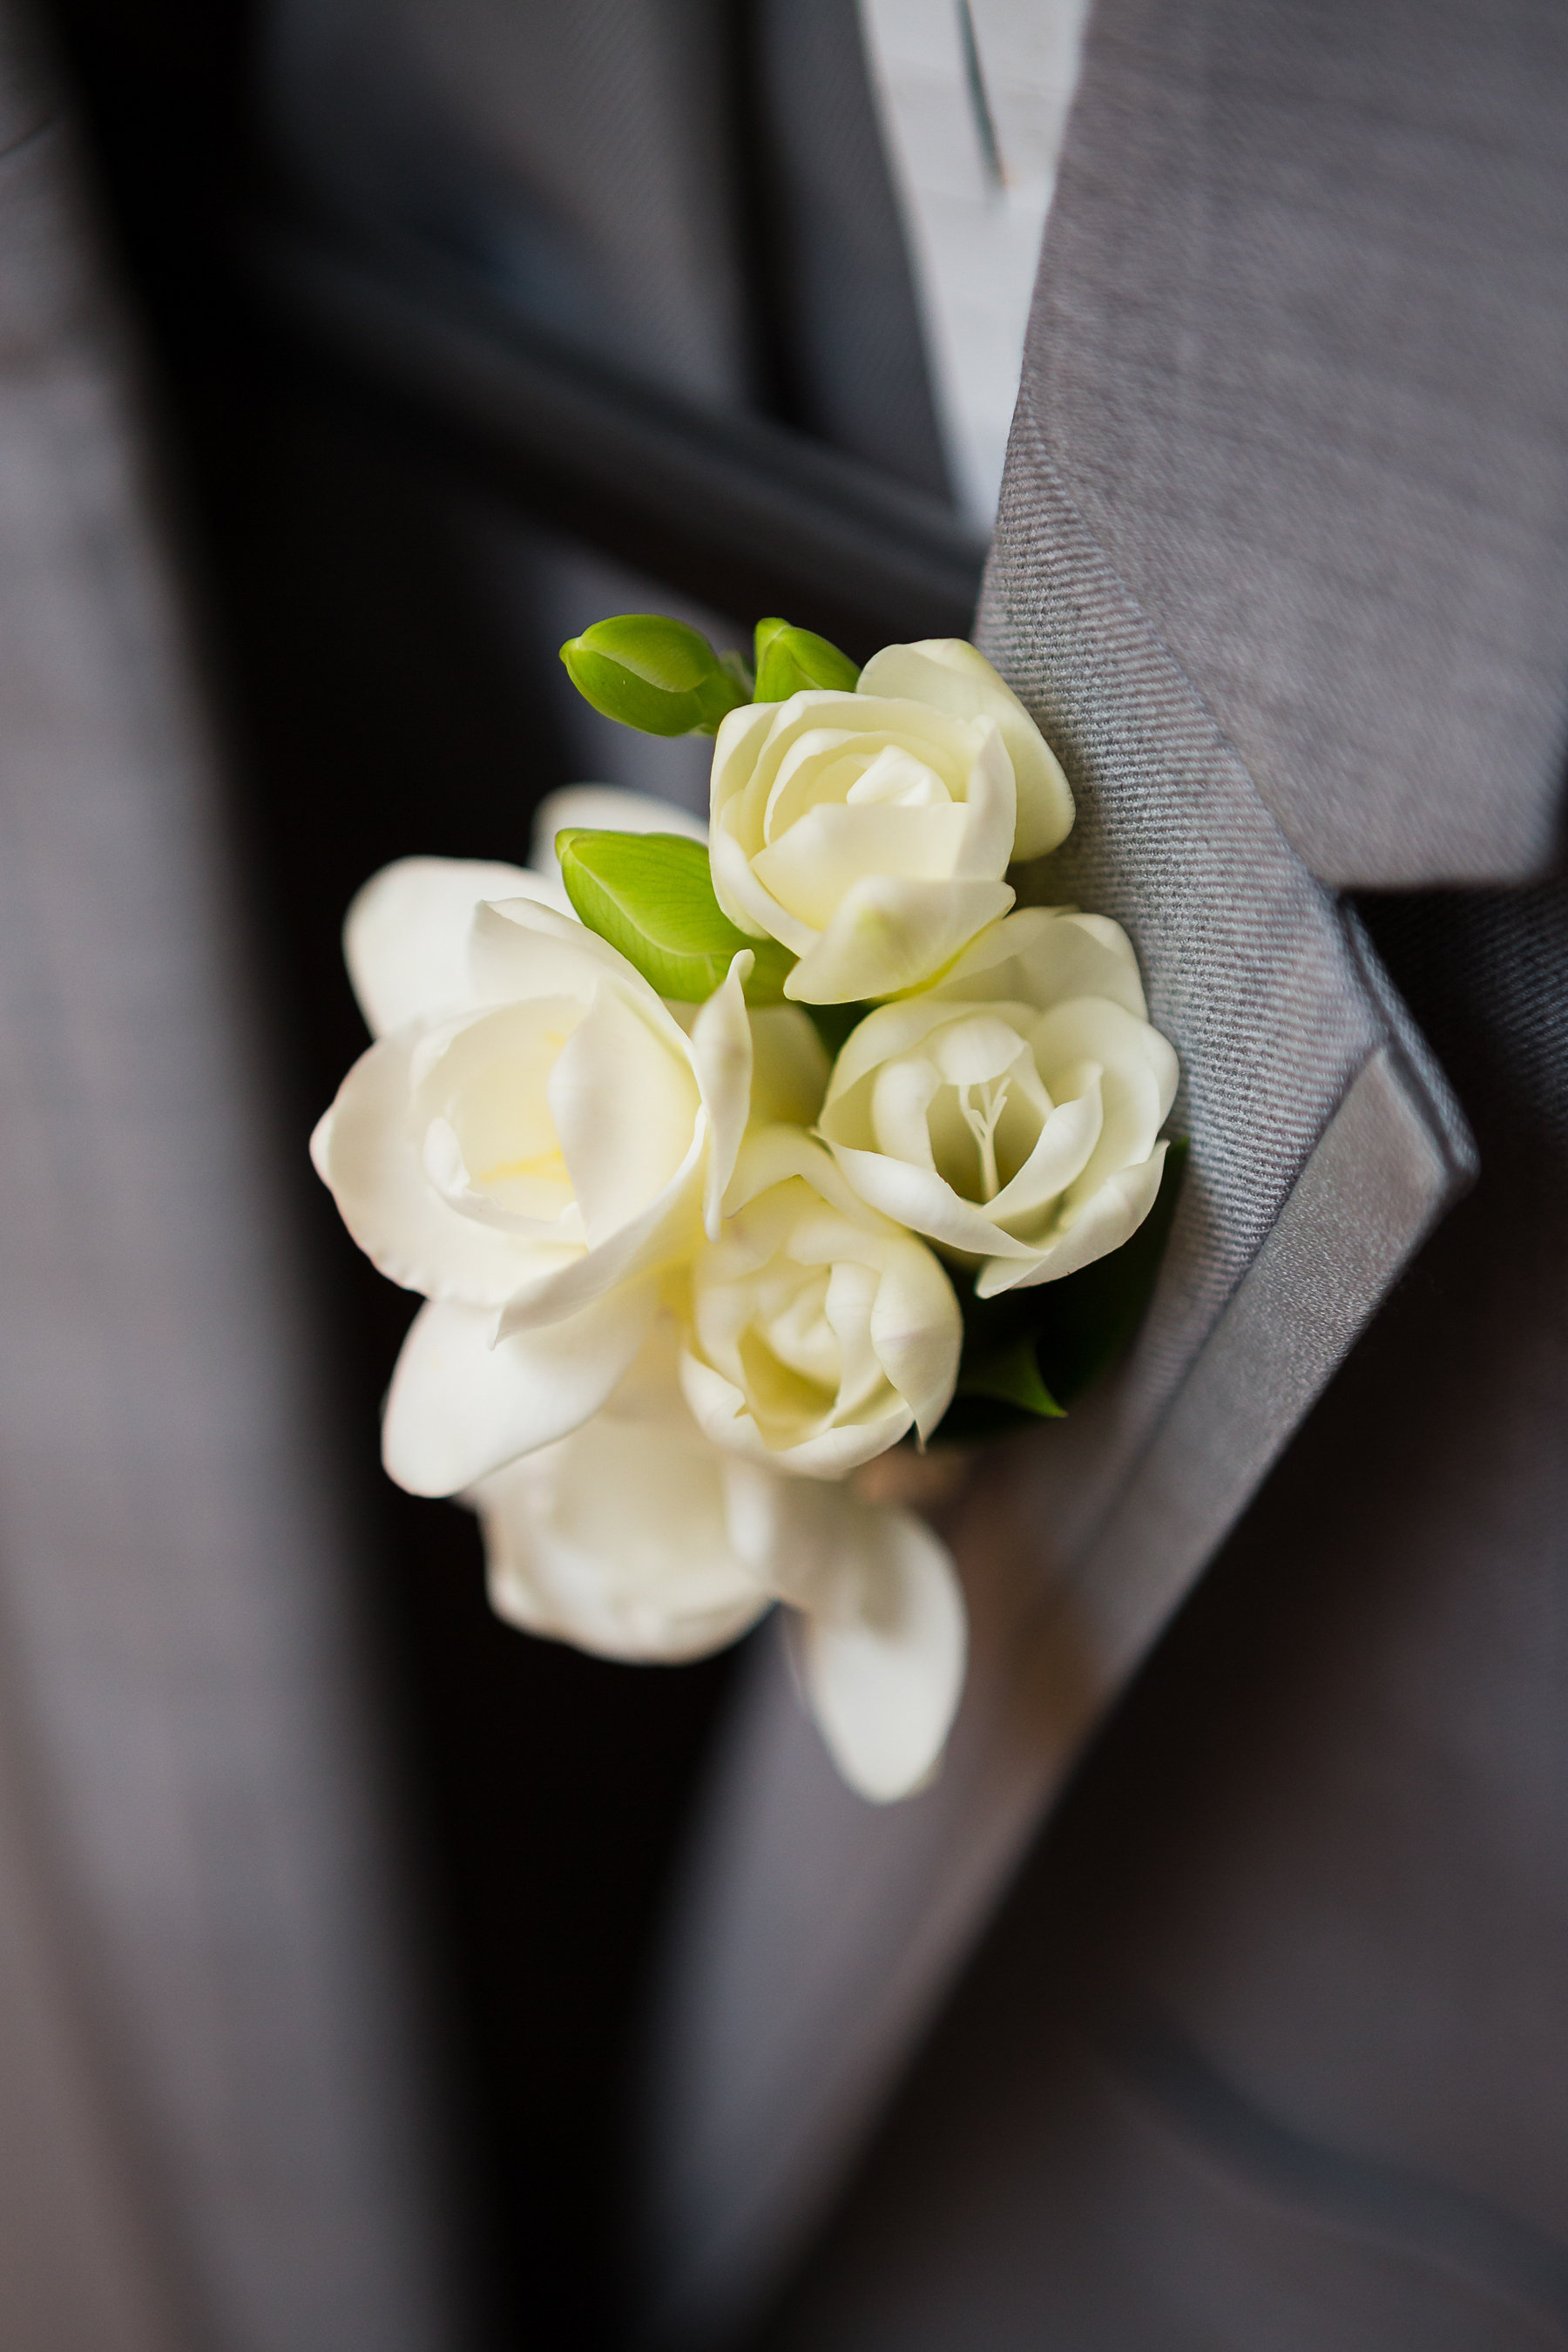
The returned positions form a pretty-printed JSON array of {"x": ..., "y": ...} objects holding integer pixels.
[{"x": 1299, "y": 350}]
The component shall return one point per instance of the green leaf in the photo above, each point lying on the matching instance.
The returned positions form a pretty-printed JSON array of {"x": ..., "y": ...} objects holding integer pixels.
[
  {"x": 651, "y": 895},
  {"x": 654, "y": 674},
  {"x": 1012, "y": 1376},
  {"x": 998, "y": 1391},
  {"x": 790, "y": 660}
]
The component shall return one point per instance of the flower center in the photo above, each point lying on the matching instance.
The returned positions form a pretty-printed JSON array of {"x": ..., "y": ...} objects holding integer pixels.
[{"x": 981, "y": 1121}]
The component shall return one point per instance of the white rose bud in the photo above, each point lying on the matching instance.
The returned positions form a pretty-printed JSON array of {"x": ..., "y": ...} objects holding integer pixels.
[
  {"x": 869, "y": 832},
  {"x": 637, "y": 1537},
  {"x": 530, "y": 1145},
  {"x": 821, "y": 1332},
  {"x": 1013, "y": 1112}
]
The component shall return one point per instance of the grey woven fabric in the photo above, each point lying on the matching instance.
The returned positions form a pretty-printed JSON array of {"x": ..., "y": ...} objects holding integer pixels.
[
  {"x": 210, "y": 2114},
  {"x": 1299, "y": 350},
  {"x": 1266, "y": 2050},
  {"x": 819, "y": 1934}
]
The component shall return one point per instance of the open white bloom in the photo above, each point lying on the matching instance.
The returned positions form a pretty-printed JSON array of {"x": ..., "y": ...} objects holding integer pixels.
[
  {"x": 869, "y": 832},
  {"x": 636, "y": 1538},
  {"x": 530, "y": 1143},
  {"x": 1013, "y": 1112},
  {"x": 821, "y": 1333}
]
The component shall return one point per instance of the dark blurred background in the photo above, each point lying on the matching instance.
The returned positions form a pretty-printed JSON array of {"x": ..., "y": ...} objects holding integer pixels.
[{"x": 423, "y": 411}]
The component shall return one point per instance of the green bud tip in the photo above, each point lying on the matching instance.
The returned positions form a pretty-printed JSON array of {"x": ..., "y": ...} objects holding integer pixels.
[
  {"x": 657, "y": 675},
  {"x": 793, "y": 661}
]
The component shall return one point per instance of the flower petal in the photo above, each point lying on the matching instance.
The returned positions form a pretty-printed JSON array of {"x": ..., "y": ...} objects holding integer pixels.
[
  {"x": 925, "y": 1202},
  {"x": 460, "y": 1407},
  {"x": 886, "y": 1638},
  {"x": 789, "y": 1067},
  {"x": 667, "y": 1229},
  {"x": 367, "y": 1150},
  {"x": 917, "y": 1329},
  {"x": 624, "y": 1101},
  {"x": 826, "y": 852},
  {"x": 619, "y": 1539},
  {"x": 742, "y": 897},
  {"x": 722, "y": 1051},
  {"x": 1140, "y": 1074},
  {"x": 1061, "y": 1153},
  {"x": 720, "y": 1410},
  {"x": 1110, "y": 1217},
  {"x": 405, "y": 936},
  {"x": 950, "y": 675},
  {"x": 1044, "y": 955},
  {"x": 521, "y": 947},
  {"x": 736, "y": 746},
  {"x": 889, "y": 935}
]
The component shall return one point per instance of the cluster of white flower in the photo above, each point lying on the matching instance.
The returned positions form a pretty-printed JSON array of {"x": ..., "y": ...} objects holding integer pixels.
[{"x": 679, "y": 1262}]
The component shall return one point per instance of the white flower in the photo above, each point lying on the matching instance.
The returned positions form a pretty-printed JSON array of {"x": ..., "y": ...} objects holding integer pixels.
[
  {"x": 871, "y": 832},
  {"x": 821, "y": 1333},
  {"x": 636, "y": 1538},
  {"x": 1012, "y": 1113},
  {"x": 529, "y": 1142}
]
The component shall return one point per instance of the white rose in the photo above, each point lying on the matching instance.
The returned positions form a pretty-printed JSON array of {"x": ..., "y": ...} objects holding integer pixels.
[
  {"x": 820, "y": 1332},
  {"x": 636, "y": 1538},
  {"x": 529, "y": 1142},
  {"x": 1013, "y": 1113},
  {"x": 871, "y": 832}
]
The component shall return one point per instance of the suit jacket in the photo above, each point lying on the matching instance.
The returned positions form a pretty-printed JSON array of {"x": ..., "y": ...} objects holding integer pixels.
[{"x": 1213, "y": 1994}]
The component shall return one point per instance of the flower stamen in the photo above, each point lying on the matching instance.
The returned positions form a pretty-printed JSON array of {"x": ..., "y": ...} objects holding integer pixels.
[{"x": 982, "y": 1125}]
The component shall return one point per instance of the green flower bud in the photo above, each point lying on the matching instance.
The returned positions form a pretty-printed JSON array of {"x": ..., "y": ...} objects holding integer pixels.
[
  {"x": 652, "y": 673},
  {"x": 790, "y": 660}
]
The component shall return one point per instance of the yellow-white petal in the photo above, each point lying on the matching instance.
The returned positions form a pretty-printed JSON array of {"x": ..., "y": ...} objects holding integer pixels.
[
  {"x": 1112, "y": 1216},
  {"x": 461, "y": 1407},
  {"x": 889, "y": 935},
  {"x": 521, "y": 947},
  {"x": 722, "y": 1051},
  {"x": 624, "y": 1101},
  {"x": 1046, "y": 955},
  {"x": 917, "y": 1330},
  {"x": 405, "y": 936},
  {"x": 720, "y": 1411},
  {"x": 789, "y": 1066},
  {"x": 617, "y": 1541},
  {"x": 921, "y": 1199},
  {"x": 368, "y": 1151},
  {"x": 949, "y": 676},
  {"x": 885, "y": 1636}
]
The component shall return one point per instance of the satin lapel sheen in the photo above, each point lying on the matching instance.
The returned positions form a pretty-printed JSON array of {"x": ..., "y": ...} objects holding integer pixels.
[{"x": 817, "y": 1935}]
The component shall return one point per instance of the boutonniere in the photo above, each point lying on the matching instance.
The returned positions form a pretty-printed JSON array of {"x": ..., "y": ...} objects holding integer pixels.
[{"x": 729, "y": 1163}]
